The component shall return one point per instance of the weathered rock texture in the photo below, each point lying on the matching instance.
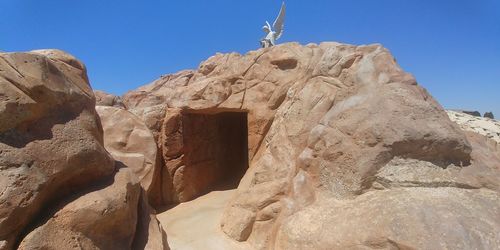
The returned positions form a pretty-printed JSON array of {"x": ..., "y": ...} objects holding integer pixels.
[
  {"x": 203, "y": 150},
  {"x": 484, "y": 126},
  {"x": 150, "y": 234},
  {"x": 50, "y": 136},
  {"x": 105, "y": 99},
  {"x": 56, "y": 178},
  {"x": 103, "y": 219},
  {"x": 130, "y": 142},
  {"x": 335, "y": 132}
]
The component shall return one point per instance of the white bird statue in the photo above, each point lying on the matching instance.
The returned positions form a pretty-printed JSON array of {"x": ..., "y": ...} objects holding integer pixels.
[{"x": 274, "y": 33}]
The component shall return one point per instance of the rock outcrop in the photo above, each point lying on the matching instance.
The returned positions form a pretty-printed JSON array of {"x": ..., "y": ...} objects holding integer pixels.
[
  {"x": 334, "y": 146},
  {"x": 103, "y": 219},
  {"x": 50, "y": 136},
  {"x": 59, "y": 187},
  {"x": 489, "y": 115},
  {"x": 130, "y": 142},
  {"x": 105, "y": 99},
  {"x": 329, "y": 126},
  {"x": 484, "y": 126}
]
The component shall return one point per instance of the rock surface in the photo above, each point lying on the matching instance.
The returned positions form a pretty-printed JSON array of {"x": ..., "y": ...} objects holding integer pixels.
[
  {"x": 194, "y": 224},
  {"x": 103, "y": 219},
  {"x": 150, "y": 233},
  {"x": 129, "y": 141},
  {"x": 341, "y": 149},
  {"x": 408, "y": 218},
  {"x": 331, "y": 125},
  {"x": 105, "y": 99},
  {"x": 58, "y": 187},
  {"x": 484, "y": 126},
  {"x": 50, "y": 136}
]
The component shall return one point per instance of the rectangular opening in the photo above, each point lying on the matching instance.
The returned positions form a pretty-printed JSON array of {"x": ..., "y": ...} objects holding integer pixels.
[{"x": 215, "y": 150}]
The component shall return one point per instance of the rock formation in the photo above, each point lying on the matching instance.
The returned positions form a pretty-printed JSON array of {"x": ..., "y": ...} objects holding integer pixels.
[
  {"x": 338, "y": 135},
  {"x": 105, "y": 99},
  {"x": 56, "y": 178},
  {"x": 484, "y": 126},
  {"x": 130, "y": 142},
  {"x": 489, "y": 115},
  {"x": 334, "y": 146},
  {"x": 90, "y": 221}
]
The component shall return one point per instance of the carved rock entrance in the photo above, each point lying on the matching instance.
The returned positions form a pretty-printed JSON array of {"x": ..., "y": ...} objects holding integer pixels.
[{"x": 204, "y": 150}]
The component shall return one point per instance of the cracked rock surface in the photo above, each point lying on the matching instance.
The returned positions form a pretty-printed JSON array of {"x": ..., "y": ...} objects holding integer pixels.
[
  {"x": 342, "y": 150},
  {"x": 346, "y": 150},
  {"x": 59, "y": 187}
]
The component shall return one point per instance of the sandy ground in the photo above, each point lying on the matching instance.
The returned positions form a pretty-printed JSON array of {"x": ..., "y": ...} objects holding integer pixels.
[
  {"x": 485, "y": 126},
  {"x": 196, "y": 224}
]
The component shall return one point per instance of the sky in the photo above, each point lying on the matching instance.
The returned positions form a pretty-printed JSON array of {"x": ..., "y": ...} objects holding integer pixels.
[{"x": 452, "y": 47}]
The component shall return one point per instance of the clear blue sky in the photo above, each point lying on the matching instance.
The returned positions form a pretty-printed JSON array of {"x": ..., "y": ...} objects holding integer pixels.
[{"x": 451, "y": 46}]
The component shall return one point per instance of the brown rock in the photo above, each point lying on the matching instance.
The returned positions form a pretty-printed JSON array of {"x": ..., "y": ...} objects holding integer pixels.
[
  {"x": 153, "y": 94},
  {"x": 242, "y": 222},
  {"x": 50, "y": 136},
  {"x": 130, "y": 142},
  {"x": 103, "y": 219},
  {"x": 327, "y": 125},
  {"x": 150, "y": 234},
  {"x": 408, "y": 218},
  {"x": 105, "y": 99},
  {"x": 151, "y": 116}
]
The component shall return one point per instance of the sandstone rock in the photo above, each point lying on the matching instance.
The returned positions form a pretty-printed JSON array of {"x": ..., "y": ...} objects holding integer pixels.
[
  {"x": 148, "y": 102},
  {"x": 484, "y": 126},
  {"x": 50, "y": 136},
  {"x": 105, "y": 99},
  {"x": 154, "y": 93},
  {"x": 489, "y": 115},
  {"x": 195, "y": 224},
  {"x": 102, "y": 219},
  {"x": 241, "y": 223},
  {"x": 151, "y": 116},
  {"x": 325, "y": 124},
  {"x": 150, "y": 234},
  {"x": 130, "y": 142},
  {"x": 408, "y": 218},
  {"x": 412, "y": 204}
]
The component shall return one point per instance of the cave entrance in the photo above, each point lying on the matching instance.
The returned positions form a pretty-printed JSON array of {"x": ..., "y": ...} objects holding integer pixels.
[{"x": 215, "y": 149}]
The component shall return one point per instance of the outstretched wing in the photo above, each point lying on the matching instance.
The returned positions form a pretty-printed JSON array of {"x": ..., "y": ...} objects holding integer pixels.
[{"x": 279, "y": 24}]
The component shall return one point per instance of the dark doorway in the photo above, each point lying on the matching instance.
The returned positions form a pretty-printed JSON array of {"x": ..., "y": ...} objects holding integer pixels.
[{"x": 215, "y": 150}]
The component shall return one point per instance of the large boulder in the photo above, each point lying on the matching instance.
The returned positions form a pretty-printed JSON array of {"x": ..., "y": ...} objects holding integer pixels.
[
  {"x": 105, "y": 99},
  {"x": 60, "y": 188},
  {"x": 102, "y": 219},
  {"x": 329, "y": 125},
  {"x": 112, "y": 215},
  {"x": 411, "y": 204},
  {"x": 51, "y": 140},
  {"x": 407, "y": 218},
  {"x": 150, "y": 233},
  {"x": 131, "y": 142}
]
